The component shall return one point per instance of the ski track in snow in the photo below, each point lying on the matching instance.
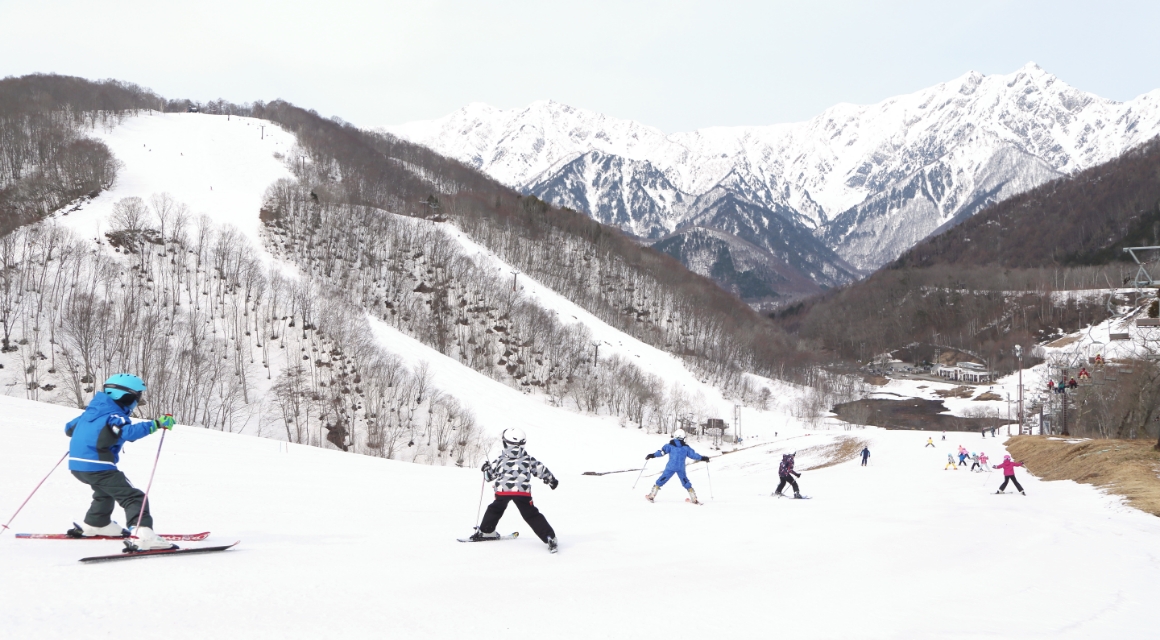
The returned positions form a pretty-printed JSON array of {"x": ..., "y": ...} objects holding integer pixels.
[{"x": 899, "y": 549}]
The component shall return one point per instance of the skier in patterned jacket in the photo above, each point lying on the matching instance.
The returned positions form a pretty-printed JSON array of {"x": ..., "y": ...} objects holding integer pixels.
[
  {"x": 97, "y": 436},
  {"x": 512, "y": 473},
  {"x": 786, "y": 474},
  {"x": 677, "y": 451}
]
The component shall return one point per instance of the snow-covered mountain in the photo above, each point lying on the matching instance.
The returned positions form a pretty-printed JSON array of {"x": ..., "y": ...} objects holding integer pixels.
[{"x": 868, "y": 180}]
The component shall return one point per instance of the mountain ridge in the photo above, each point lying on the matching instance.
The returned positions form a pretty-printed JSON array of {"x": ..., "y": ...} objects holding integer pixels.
[{"x": 869, "y": 181}]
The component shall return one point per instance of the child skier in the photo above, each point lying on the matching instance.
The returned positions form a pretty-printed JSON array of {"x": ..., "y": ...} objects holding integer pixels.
[
  {"x": 929, "y": 443},
  {"x": 951, "y": 462},
  {"x": 975, "y": 462},
  {"x": 512, "y": 472},
  {"x": 865, "y": 455},
  {"x": 97, "y": 437},
  {"x": 677, "y": 451},
  {"x": 1008, "y": 467},
  {"x": 786, "y": 473}
]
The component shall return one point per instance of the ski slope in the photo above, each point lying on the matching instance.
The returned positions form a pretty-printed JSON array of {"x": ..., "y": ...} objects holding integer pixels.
[
  {"x": 216, "y": 166},
  {"x": 337, "y": 545}
]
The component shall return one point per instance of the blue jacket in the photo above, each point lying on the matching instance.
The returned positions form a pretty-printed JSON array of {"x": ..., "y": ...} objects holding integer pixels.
[
  {"x": 98, "y": 434},
  {"x": 677, "y": 451}
]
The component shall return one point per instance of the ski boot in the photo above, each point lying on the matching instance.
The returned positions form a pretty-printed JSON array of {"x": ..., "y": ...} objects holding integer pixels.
[
  {"x": 693, "y": 497},
  {"x": 146, "y": 540},
  {"x": 1021, "y": 492},
  {"x": 553, "y": 545},
  {"x": 480, "y": 536},
  {"x": 83, "y": 530},
  {"x": 797, "y": 496},
  {"x": 652, "y": 494},
  {"x": 1000, "y": 492},
  {"x": 776, "y": 494}
]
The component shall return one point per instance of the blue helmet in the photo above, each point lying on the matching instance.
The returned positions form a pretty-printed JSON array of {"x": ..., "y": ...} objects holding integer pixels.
[{"x": 122, "y": 385}]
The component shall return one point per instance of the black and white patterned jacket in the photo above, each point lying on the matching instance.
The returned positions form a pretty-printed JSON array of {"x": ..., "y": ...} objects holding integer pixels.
[{"x": 513, "y": 471}]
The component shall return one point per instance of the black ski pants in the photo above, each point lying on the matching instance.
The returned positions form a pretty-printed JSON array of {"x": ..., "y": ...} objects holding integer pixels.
[
  {"x": 791, "y": 481},
  {"x": 1007, "y": 479},
  {"x": 530, "y": 513},
  {"x": 111, "y": 488}
]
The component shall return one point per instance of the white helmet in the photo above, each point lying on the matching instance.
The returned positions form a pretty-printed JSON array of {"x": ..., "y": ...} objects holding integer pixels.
[
  {"x": 679, "y": 434},
  {"x": 514, "y": 436}
]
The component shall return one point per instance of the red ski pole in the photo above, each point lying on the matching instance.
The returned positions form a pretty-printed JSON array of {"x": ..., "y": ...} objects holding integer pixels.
[
  {"x": 145, "y": 500},
  {"x": 3, "y": 527}
]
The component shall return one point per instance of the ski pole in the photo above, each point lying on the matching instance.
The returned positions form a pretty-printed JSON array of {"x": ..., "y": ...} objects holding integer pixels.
[
  {"x": 710, "y": 476},
  {"x": 482, "y": 483},
  {"x": 5, "y": 526},
  {"x": 640, "y": 474},
  {"x": 145, "y": 500}
]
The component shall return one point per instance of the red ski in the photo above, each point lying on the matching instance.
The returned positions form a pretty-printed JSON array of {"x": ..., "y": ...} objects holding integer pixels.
[
  {"x": 128, "y": 553},
  {"x": 172, "y": 537}
]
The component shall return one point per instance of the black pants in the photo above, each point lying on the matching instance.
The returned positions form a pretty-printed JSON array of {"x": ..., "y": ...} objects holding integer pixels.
[
  {"x": 1007, "y": 479},
  {"x": 530, "y": 513},
  {"x": 790, "y": 480},
  {"x": 111, "y": 488}
]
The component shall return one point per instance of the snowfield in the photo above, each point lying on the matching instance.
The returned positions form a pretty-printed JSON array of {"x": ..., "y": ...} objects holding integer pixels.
[
  {"x": 216, "y": 166},
  {"x": 336, "y": 545}
]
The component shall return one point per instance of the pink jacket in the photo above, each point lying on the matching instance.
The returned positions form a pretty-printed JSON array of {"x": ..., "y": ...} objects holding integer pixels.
[{"x": 1008, "y": 467}]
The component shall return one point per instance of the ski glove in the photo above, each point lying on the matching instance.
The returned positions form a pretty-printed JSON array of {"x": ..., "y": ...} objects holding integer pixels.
[
  {"x": 650, "y": 456},
  {"x": 486, "y": 466},
  {"x": 162, "y": 422},
  {"x": 704, "y": 458},
  {"x": 554, "y": 483}
]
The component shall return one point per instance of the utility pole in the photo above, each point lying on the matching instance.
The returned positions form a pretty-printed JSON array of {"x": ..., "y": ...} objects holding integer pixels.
[
  {"x": 1064, "y": 432},
  {"x": 596, "y": 353},
  {"x": 1019, "y": 357},
  {"x": 263, "y": 131},
  {"x": 515, "y": 277}
]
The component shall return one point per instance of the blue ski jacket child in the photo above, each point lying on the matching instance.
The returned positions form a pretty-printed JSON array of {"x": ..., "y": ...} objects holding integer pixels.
[
  {"x": 98, "y": 434},
  {"x": 677, "y": 451}
]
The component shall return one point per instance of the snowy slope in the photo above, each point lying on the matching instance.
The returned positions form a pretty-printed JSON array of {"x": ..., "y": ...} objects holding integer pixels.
[
  {"x": 870, "y": 179},
  {"x": 335, "y": 545},
  {"x": 216, "y": 166}
]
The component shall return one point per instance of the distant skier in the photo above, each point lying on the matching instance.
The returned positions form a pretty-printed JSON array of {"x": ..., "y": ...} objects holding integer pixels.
[
  {"x": 97, "y": 436},
  {"x": 512, "y": 473},
  {"x": 1008, "y": 467},
  {"x": 865, "y": 455},
  {"x": 983, "y": 432},
  {"x": 993, "y": 432},
  {"x": 951, "y": 462},
  {"x": 944, "y": 436},
  {"x": 786, "y": 473},
  {"x": 929, "y": 443},
  {"x": 677, "y": 451}
]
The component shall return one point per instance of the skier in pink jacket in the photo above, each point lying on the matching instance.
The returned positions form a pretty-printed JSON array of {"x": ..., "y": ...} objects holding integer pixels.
[{"x": 1008, "y": 467}]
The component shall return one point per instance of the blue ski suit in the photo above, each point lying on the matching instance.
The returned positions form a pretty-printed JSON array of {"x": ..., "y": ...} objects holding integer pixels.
[
  {"x": 99, "y": 433},
  {"x": 677, "y": 451}
]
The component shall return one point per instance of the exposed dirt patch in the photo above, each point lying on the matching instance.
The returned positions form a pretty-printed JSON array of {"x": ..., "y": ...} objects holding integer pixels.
[
  {"x": 957, "y": 392},
  {"x": 844, "y": 450},
  {"x": 909, "y": 413},
  {"x": 877, "y": 381},
  {"x": 1127, "y": 468},
  {"x": 990, "y": 395}
]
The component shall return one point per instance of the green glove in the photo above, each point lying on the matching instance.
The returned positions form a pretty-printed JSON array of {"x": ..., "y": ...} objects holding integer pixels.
[{"x": 163, "y": 422}]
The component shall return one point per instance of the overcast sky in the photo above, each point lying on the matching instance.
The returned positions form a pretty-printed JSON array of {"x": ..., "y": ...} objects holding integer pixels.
[{"x": 677, "y": 65}]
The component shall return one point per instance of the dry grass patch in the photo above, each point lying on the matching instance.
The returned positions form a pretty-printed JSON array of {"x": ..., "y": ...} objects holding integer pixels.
[
  {"x": 877, "y": 381},
  {"x": 844, "y": 450},
  {"x": 957, "y": 392},
  {"x": 1127, "y": 468},
  {"x": 990, "y": 395},
  {"x": 1064, "y": 341}
]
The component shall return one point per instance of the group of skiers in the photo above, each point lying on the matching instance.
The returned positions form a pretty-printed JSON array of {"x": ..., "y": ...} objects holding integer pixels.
[
  {"x": 98, "y": 434},
  {"x": 979, "y": 462}
]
